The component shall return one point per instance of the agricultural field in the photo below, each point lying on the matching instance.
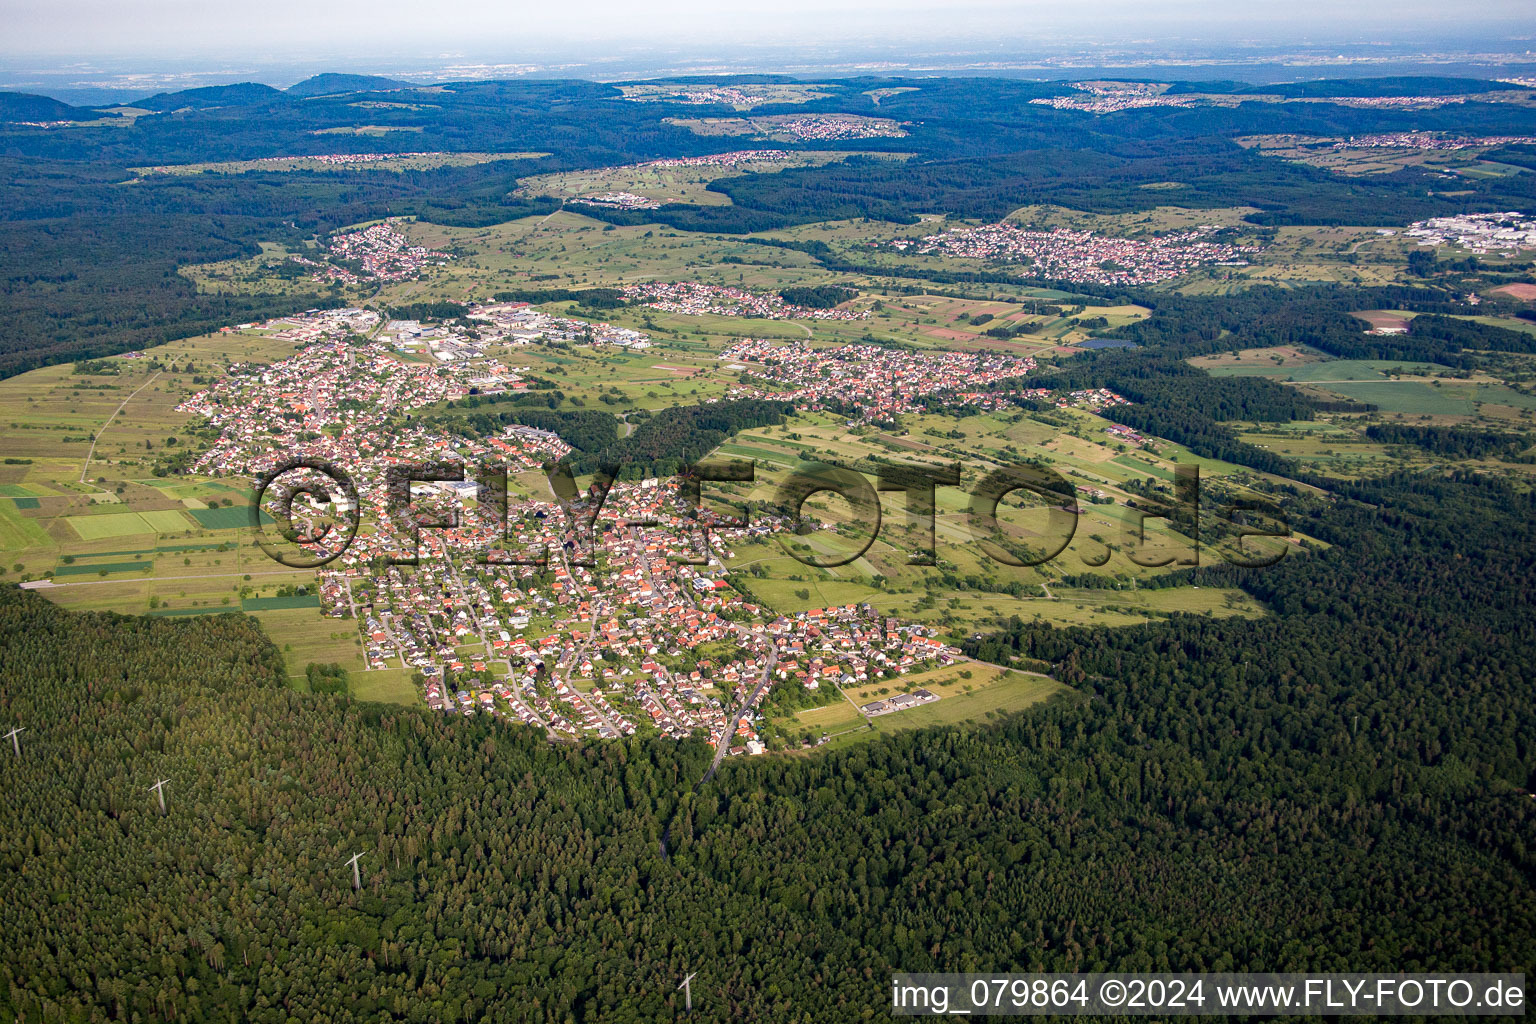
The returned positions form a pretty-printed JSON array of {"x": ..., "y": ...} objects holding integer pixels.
[
  {"x": 876, "y": 95},
  {"x": 96, "y": 520},
  {"x": 366, "y": 129},
  {"x": 1523, "y": 291},
  {"x": 1363, "y": 256},
  {"x": 968, "y": 692},
  {"x": 1325, "y": 446},
  {"x": 125, "y": 524},
  {"x": 1142, "y": 224},
  {"x": 1320, "y": 371},
  {"x": 389, "y": 686},
  {"x": 1397, "y": 388},
  {"x": 769, "y": 571},
  {"x": 1437, "y": 398},
  {"x": 669, "y": 184},
  {"x": 1335, "y": 155},
  {"x": 1257, "y": 361}
]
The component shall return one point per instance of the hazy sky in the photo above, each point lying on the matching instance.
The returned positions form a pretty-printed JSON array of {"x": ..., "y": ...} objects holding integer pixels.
[{"x": 291, "y": 27}]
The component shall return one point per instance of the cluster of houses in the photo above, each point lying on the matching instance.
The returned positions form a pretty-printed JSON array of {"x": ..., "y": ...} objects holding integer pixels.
[
  {"x": 1480, "y": 233},
  {"x": 313, "y": 325},
  {"x": 650, "y": 631},
  {"x": 880, "y": 381},
  {"x": 1431, "y": 140},
  {"x": 900, "y": 702},
  {"x": 1404, "y": 102},
  {"x": 1065, "y": 254},
  {"x": 378, "y": 252},
  {"x": 730, "y": 95},
  {"x": 1111, "y": 97},
  {"x": 617, "y": 201},
  {"x": 1121, "y": 432},
  {"x": 341, "y": 159},
  {"x": 518, "y": 323},
  {"x": 339, "y": 401},
  {"x": 731, "y": 159},
  {"x": 831, "y": 127},
  {"x": 1092, "y": 399},
  {"x": 326, "y": 159},
  {"x": 695, "y": 299}
]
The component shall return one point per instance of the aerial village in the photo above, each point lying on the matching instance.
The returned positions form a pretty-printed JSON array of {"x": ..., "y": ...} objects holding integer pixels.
[
  {"x": 881, "y": 382},
  {"x": 731, "y": 159},
  {"x": 519, "y": 610},
  {"x": 1085, "y": 257},
  {"x": 1111, "y": 97},
  {"x": 693, "y": 298},
  {"x": 378, "y": 252},
  {"x": 323, "y": 159},
  {"x": 730, "y": 95},
  {"x": 834, "y": 127},
  {"x": 1430, "y": 140}
]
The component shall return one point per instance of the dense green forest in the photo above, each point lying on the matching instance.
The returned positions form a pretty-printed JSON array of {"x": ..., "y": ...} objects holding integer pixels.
[
  {"x": 674, "y": 437},
  {"x": 586, "y": 430},
  {"x": 817, "y": 296},
  {"x": 1447, "y": 442}
]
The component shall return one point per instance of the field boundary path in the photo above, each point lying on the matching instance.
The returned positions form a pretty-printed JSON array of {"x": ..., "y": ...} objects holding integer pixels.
[{"x": 97, "y": 435}]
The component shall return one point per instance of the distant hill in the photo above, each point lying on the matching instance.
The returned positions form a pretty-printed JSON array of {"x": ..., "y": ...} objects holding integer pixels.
[
  {"x": 1400, "y": 86},
  {"x": 21, "y": 106},
  {"x": 245, "y": 94},
  {"x": 329, "y": 84},
  {"x": 1330, "y": 87}
]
